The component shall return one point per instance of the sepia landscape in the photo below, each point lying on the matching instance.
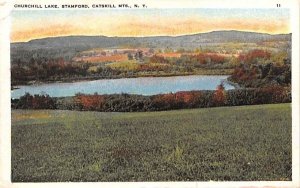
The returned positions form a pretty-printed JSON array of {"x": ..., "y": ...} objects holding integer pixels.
[{"x": 202, "y": 106}]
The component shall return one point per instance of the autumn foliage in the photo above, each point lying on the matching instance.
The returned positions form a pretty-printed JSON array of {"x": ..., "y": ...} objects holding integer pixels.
[
  {"x": 205, "y": 58},
  {"x": 219, "y": 96},
  {"x": 182, "y": 99},
  {"x": 179, "y": 100},
  {"x": 158, "y": 59},
  {"x": 254, "y": 55},
  {"x": 89, "y": 102},
  {"x": 256, "y": 76}
]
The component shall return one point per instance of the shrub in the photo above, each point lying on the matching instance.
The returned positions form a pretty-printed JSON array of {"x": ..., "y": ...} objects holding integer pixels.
[
  {"x": 28, "y": 101},
  {"x": 254, "y": 56},
  {"x": 179, "y": 100}
]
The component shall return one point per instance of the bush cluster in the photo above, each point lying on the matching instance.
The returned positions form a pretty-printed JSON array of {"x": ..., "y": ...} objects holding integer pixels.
[{"x": 170, "y": 101}]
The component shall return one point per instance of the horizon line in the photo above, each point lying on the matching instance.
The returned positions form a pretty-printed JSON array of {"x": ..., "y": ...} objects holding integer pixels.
[{"x": 229, "y": 30}]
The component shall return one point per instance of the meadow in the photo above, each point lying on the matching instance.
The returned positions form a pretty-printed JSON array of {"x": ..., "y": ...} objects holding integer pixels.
[{"x": 219, "y": 144}]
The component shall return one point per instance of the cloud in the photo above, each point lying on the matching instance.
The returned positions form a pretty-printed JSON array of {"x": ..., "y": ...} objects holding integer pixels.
[
  {"x": 42, "y": 31},
  {"x": 154, "y": 23}
]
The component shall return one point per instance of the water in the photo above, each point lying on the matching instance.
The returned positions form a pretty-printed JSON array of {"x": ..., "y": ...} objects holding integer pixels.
[{"x": 143, "y": 86}]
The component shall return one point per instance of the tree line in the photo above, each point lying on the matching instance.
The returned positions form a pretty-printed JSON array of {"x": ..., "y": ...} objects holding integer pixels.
[
  {"x": 59, "y": 69},
  {"x": 170, "y": 101}
]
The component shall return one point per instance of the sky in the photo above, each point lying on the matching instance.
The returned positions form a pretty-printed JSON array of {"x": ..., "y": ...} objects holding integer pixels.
[{"x": 34, "y": 24}]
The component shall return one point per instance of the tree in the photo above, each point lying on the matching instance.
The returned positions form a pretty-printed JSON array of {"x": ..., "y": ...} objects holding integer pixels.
[
  {"x": 130, "y": 56},
  {"x": 28, "y": 101},
  {"x": 254, "y": 56},
  {"x": 219, "y": 95}
]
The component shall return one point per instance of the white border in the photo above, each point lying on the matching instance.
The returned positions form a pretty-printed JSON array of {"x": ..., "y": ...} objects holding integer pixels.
[
  {"x": 295, "y": 14},
  {"x": 5, "y": 115}
]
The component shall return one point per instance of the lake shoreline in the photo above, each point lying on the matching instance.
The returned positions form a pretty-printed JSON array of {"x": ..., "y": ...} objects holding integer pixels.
[
  {"x": 141, "y": 85},
  {"x": 235, "y": 85},
  {"x": 92, "y": 78}
]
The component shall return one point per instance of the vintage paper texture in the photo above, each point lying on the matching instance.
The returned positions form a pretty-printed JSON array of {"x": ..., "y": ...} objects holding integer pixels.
[{"x": 173, "y": 148}]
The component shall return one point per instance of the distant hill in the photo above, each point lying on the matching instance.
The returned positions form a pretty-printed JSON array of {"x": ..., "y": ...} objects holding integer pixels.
[{"x": 69, "y": 45}]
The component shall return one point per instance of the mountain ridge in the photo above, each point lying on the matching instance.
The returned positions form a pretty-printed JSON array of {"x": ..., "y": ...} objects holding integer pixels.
[
  {"x": 68, "y": 46},
  {"x": 156, "y": 36}
]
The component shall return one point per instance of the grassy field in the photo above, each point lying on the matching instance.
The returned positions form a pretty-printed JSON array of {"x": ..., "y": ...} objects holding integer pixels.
[
  {"x": 101, "y": 59},
  {"x": 219, "y": 144}
]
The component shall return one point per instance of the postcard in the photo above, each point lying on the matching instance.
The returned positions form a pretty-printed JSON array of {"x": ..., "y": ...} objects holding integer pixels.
[{"x": 150, "y": 94}]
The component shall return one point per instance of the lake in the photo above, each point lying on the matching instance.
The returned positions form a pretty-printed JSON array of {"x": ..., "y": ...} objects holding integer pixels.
[{"x": 142, "y": 85}]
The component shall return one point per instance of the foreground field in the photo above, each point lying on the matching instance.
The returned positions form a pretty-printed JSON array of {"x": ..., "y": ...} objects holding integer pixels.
[{"x": 219, "y": 144}]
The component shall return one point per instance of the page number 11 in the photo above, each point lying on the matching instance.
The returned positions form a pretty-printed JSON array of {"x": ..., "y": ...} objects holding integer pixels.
[{"x": 278, "y": 5}]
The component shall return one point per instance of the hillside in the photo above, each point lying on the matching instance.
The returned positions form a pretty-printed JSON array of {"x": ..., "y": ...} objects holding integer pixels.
[
  {"x": 157, "y": 41},
  {"x": 69, "y": 45}
]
